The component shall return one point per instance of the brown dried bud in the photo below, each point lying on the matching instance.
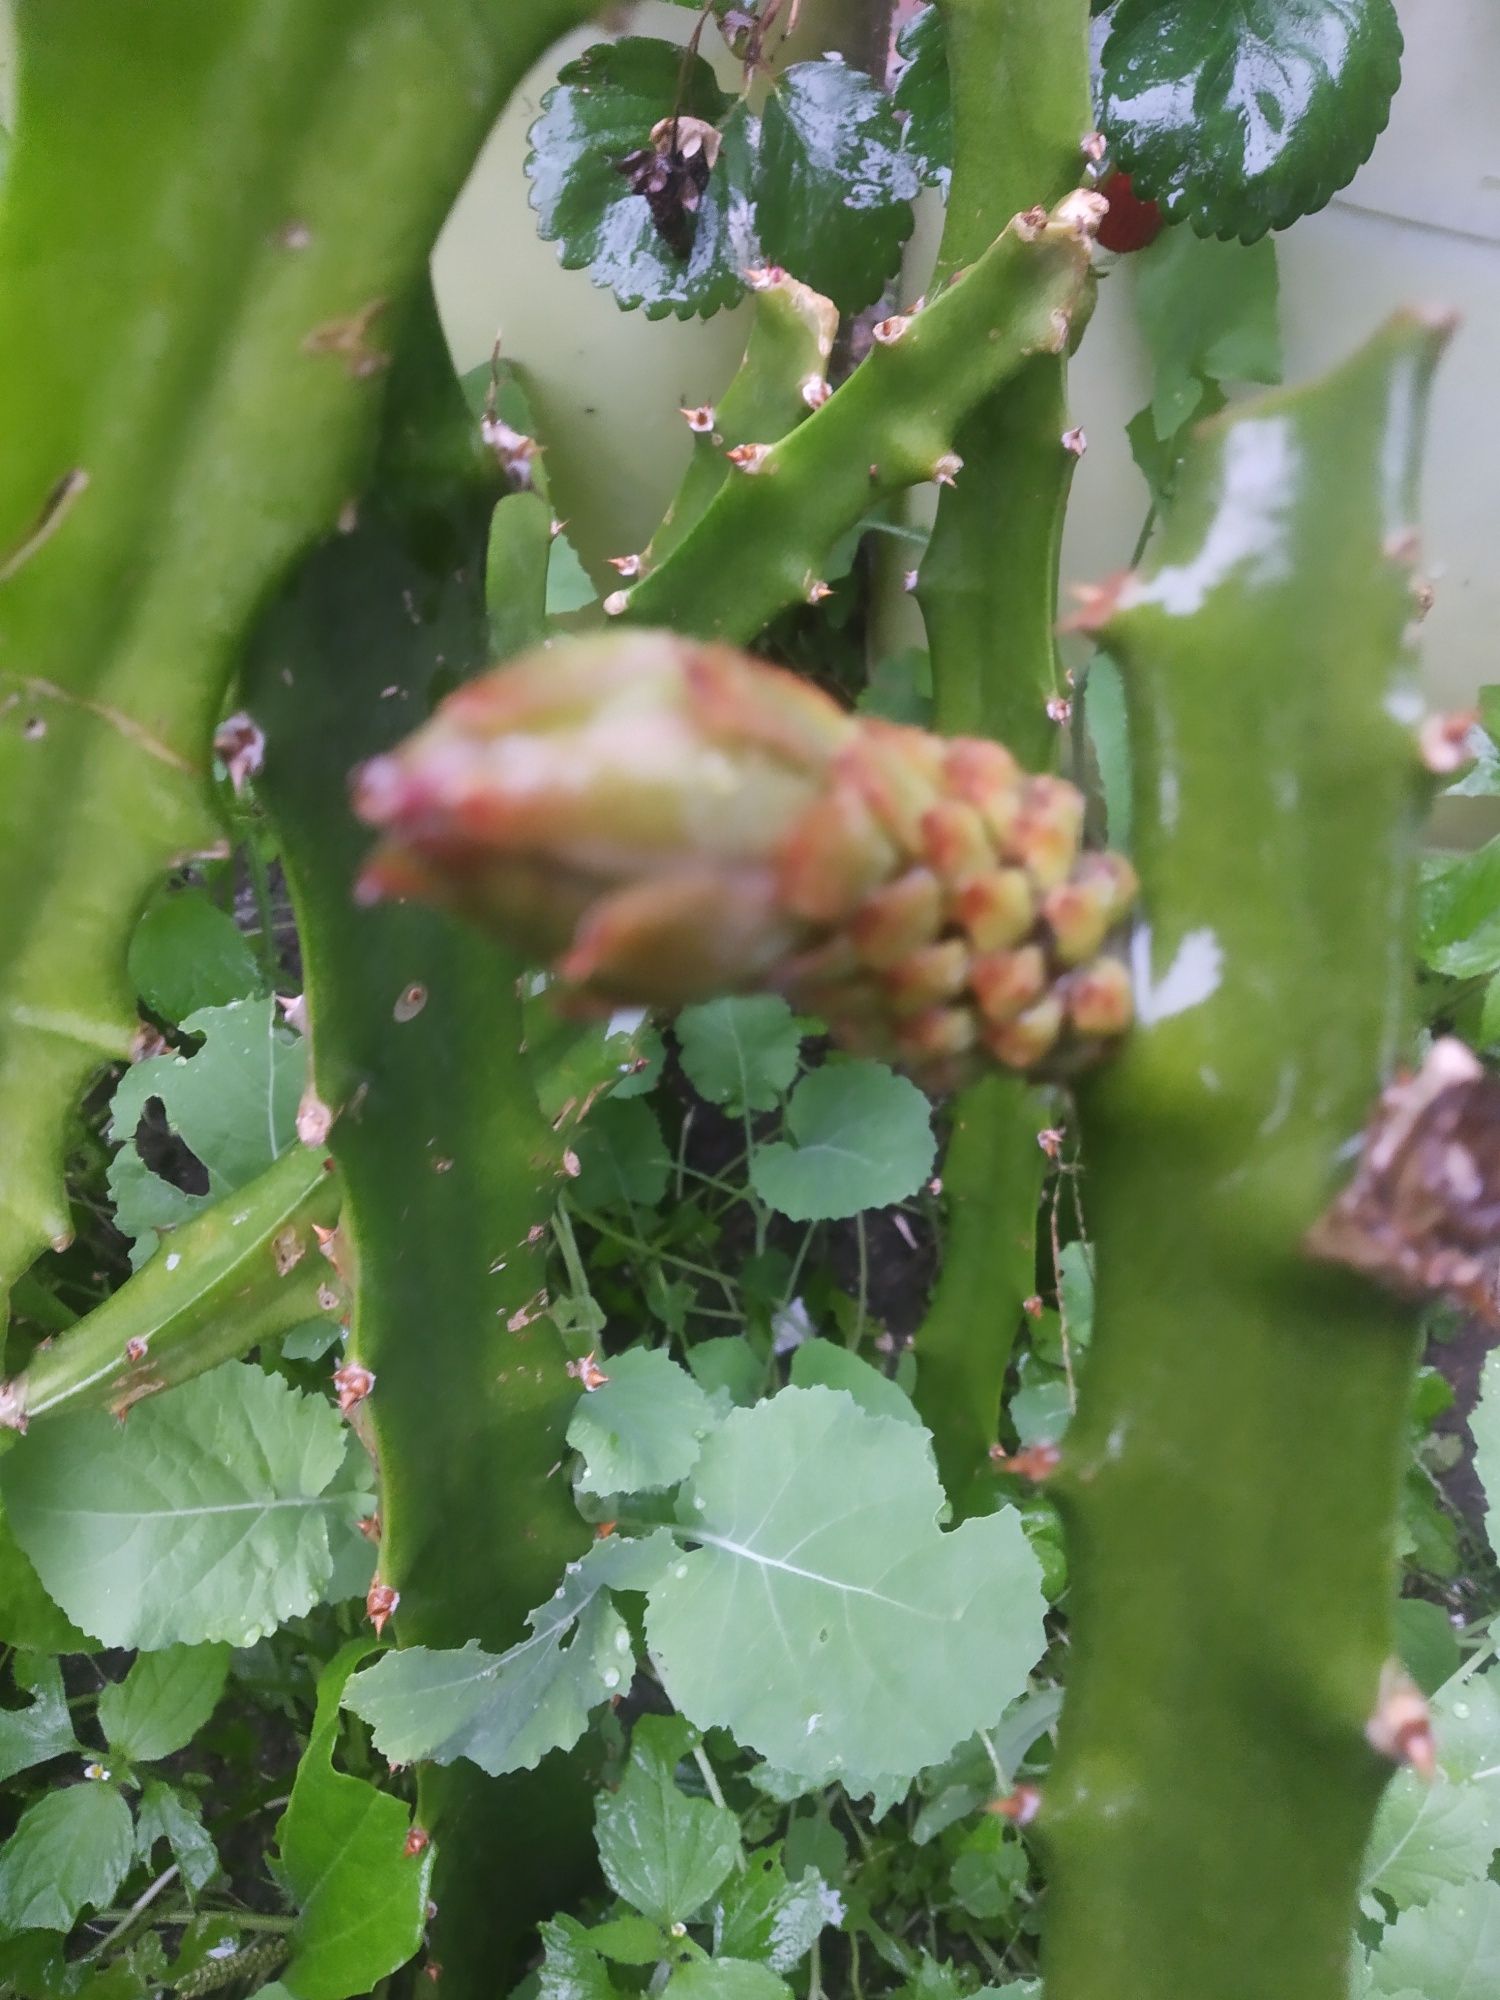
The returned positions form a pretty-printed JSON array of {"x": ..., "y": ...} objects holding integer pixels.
[
  {"x": 663, "y": 821},
  {"x": 588, "y": 1372},
  {"x": 353, "y": 1384},
  {"x": 380, "y": 1603},
  {"x": 1422, "y": 1212}
]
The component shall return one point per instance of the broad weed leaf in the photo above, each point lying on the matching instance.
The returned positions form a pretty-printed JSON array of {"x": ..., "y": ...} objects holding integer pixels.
[
  {"x": 233, "y": 1105},
  {"x": 641, "y": 1429},
  {"x": 665, "y": 1853},
  {"x": 1448, "y": 1949},
  {"x": 163, "y": 1701},
  {"x": 69, "y": 1853},
  {"x": 1241, "y": 119},
  {"x": 505, "y": 1711},
  {"x": 1428, "y": 1836},
  {"x": 825, "y": 1619},
  {"x": 41, "y": 1728},
  {"x": 205, "y": 1517},
  {"x": 362, "y": 1895}
]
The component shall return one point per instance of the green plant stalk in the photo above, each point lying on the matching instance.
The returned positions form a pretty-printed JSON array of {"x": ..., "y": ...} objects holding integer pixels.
[
  {"x": 1229, "y": 1486},
  {"x": 988, "y": 593},
  {"x": 188, "y": 386},
  {"x": 449, "y": 1169},
  {"x": 246, "y": 1270},
  {"x": 765, "y": 538},
  {"x": 784, "y": 372},
  {"x": 515, "y": 579}
]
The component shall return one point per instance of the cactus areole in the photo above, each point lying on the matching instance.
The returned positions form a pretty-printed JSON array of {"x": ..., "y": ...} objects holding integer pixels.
[{"x": 664, "y": 820}]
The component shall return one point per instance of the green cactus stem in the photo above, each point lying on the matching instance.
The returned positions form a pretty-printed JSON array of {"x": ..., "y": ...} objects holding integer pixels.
[
  {"x": 188, "y": 385},
  {"x": 784, "y": 378},
  {"x": 763, "y": 543},
  {"x": 1229, "y": 1486},
  {"x": 247, "y": 1270},
  {"x": 988, "y": 592},
  {"x": 448, "y": 1167}
]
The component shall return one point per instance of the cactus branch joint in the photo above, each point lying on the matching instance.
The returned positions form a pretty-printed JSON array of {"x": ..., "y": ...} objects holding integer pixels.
[{"x": 663, "y": 820}]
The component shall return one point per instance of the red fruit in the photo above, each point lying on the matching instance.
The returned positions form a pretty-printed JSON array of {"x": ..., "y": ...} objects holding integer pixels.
[{"x": 1131, "y": 223}]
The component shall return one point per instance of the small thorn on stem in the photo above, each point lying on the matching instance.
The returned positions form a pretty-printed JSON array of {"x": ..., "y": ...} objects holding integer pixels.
[
  {"x": 416, "y": 1842},
  {"x": 137, "y": 1348},
  {"x": 1051, "y": 1141},
  {"x": 947, "y": 468},
  {"x": 815, "y": 391},
  {"x": 1094, "y": 148},
  {"x": 886, "y": 332},
  {"x": 1020, "y": 1807},
  {"x": 1075, "y": 441},
  {"x": 909, "y": 580},
  {"x": 1401, "y": 1727},
  {"x": 616, "y": 602},
  {"x": 1060, "y": 709},
  {"x": 1036, "y": 1462},
  {"x": 353, "y": 1383},
  {"x": 748, "y": 457},
  {"x": 588, "y": 1372},
  {"x": 815, "y": 590},
  {"x": 628, "y": 566},
  {"x": 1030, "y": 223},
  {"x": 701, "y": 418},
  {"x": 1444, "y": 741},
  {"x": 380, "y": 1603}
]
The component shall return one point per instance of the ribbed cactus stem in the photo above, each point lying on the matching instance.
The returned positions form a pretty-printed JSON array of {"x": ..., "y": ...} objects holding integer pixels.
[
  {"x": 245, "y": 1271},
  {"x": 188, "y": 388},
  {"x": 988, "y": 592},
  {"x": 783, "y": 379},
  {"x": 892, "y": 425},
  {"x": 1229, "y": 1486}
]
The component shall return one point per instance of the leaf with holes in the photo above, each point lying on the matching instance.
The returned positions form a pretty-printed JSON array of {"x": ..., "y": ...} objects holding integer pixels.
[
  {"x": 825, "y": 1619},
  {"x": 206, "y": 1516},
  {"x": 69, "y": 1853},
  {"x": 233, "y": 1106},
  {"x": 640, "y": 1430},
  {"x": 1447, "y": 1950},
  {"x": 663, "y": 1852},
  {"x": 836, "y": 184},
  {"x": 1240, "y": 119},
  {"x": 505, "y": 1711},
  {"x": 860, "y": 1137},
  {"x": 681, "y": 250},
  {"x": 742, "y": 1052},
  {"x": 344, "y": 1852}
]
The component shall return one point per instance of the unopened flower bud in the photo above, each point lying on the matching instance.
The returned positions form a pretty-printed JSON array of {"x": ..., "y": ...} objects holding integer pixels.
[{"x": 662, "y": 820}]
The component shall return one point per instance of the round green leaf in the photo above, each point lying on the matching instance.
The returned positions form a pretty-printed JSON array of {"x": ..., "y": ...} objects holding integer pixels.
[
  {"x": 1241, "y": 118},
  {"x": 824, "y": 1618},
  {"x": 836, "y": 184},
  {"x": 659, "y": 1849},
  {"x": 1447, "y": 1950},
  {"x": 163, "y": 1701},
  {"x": 860, "y": 1137},
  {"x": 600, "y": 111}
]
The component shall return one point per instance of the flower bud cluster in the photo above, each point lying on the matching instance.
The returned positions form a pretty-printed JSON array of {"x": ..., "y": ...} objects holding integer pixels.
[{"x": 663, "y": 820}]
